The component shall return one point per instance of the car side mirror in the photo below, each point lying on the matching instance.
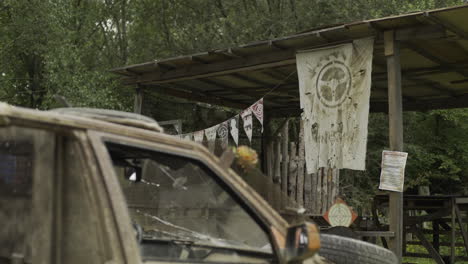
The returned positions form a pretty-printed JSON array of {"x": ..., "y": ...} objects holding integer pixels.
[{"x": 302, "y": 242}]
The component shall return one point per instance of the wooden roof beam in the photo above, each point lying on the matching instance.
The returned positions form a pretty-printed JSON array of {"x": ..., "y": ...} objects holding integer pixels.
[
  {"x": 421, "y": 51},
  {"x": 447, "y": 25},
  {"x": 382, "y": 106},
  {"x": 271, "y": 59},
  {"x": 226, "y": 88},
  {"x": 196, "y": 96},
  {"x": 433, "y": 85}
]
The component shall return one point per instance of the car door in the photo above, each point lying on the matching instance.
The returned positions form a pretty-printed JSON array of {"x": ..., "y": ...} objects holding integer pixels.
[
  {"x": 179, "y": 208},
  {"x": 85, "y": 229},
  {"x": 26, "y": 195}
]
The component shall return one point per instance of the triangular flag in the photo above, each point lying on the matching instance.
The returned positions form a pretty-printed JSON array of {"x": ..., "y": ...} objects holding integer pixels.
[
  {"x": 198, "y": 136},
  {"x": 187, "y": 136},
  {"x": 247, "y": 120},
  {"x": 210, "y": 134},
  {"x": 257, "y": 110},
  {"x": 223, "y": 134},
  {"x": 234, "y": 125}
]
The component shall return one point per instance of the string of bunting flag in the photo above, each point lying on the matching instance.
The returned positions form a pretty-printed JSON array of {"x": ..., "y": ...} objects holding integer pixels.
[{"x": 229, "y": 127}]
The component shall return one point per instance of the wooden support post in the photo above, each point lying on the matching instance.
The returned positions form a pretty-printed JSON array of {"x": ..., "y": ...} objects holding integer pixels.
[
  {"x": 318, "y": 198},
  {"x": 434, "y": 254},
  {"x": 452, "y": 234},
  {"x": 138, "y": 102},
  {"x": 277, "y": 173},
  {"x": 270, "y": 158},
  {"x": 395, "y": 118},
  {"x": 284, "y": 156},
  {"x": 462, "y": 228},
  {"x": 266, "y": 135},
  {"x": 324, "y": 205},
  {"x": 300, "y": 165},
  {"x": 313, "y": 195},
  {"x": 435, "y": 235},
  {"x": 292, "y": 171}
]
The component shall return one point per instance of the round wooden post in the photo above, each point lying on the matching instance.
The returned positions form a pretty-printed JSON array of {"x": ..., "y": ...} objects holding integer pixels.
[{"x": 395, "y": 119}]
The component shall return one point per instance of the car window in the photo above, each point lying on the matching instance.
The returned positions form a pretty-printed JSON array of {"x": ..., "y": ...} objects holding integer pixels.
[
  {"x": 181, "y": 212},
  {"x": 25, "y": 185}
]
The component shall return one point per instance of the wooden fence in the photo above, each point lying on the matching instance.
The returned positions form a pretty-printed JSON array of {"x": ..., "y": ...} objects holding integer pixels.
[{"x": 285, "y": 164}]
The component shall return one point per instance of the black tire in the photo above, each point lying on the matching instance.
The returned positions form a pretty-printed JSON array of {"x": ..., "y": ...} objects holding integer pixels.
[{"x": 343, "y": 250}]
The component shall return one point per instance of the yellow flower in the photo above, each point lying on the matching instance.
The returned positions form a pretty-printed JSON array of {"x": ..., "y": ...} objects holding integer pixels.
[{"x": 246, "y": 156}]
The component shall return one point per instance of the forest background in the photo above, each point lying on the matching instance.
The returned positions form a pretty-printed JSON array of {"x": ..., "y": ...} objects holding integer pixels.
[{"x": 66, "y": 47}]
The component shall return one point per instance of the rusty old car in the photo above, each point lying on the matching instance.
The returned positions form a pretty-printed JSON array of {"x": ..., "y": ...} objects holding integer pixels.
[{"x": 93, "y": 187}]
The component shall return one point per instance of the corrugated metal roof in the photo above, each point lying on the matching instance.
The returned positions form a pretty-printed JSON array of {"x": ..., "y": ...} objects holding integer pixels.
[{"x": 434, "y": 61}]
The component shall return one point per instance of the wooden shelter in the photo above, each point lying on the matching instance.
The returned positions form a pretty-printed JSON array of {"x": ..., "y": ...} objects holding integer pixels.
[{"x": 420, "y": 62}]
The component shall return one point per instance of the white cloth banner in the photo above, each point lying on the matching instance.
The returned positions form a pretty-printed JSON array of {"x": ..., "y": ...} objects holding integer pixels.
[
  {"x": 223, "y": 134},
  {"x": 198, "y": 136},
  {"x": 247, "y": 120},
  {"x": 257, "y": 110},
  {"x": 334, "y": 86},
  {"x": 234, "y": 129},
  {"x": 210, "y": 134}
]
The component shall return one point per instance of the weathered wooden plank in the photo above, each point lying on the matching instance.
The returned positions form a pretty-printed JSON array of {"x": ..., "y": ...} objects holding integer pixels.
[
  {"x": 266, "y": 60},
  {"x": 434, "y": 254},
  {"x": 270, "y": 158},
  {"x": 318, "y": 199},
  {"x": 307, "y": 190},
  {"x": 313, "y": 195},
  {"x": 462, "y": 227},
  {"x": 138, "y": 101},
  {"x": 330, "y": 184},
  {"x": 277, "y": 173},
  {"x": 199, "y": 97},
  {"x": 324, "y": 204},
  {"x": 375, "y": 233},
  {"x": 395, "y": 113},
  {"x": 284, "y": 156},
  {"x": 300, "y": 165},
  {"x": 292, "y": 174},
  {"x": 452, "y": 235},
  {"x": 421, "y": 255},
  {"x": 435, "y": 235}
]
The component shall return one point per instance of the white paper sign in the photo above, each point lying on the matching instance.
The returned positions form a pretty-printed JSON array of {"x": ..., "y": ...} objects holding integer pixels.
[
  {"x": 198, "y": 136},
  {"x": 223, "y": 134},
  {"x": 257, "y": 110},
  {"x": 247, "y": 120},
  {"x": 392, "y": 177},
  {"x": 210, "y": 134},
  {"x": 334, "y": 88}
]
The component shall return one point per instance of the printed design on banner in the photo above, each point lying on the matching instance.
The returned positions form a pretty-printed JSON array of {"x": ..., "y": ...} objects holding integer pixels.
[
  {"x": 247, "y": 120},
  {"x": 223, "y": 134},
  {"x": 234, "y": 125},
  {"x": 257, "y": 110},
  {"x": 333, "y": 80}
]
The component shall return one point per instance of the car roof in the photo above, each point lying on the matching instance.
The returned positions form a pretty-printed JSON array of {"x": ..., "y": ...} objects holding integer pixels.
[
  {"x": 86, "y": 121},
  {"x": 19, "y": 115}
]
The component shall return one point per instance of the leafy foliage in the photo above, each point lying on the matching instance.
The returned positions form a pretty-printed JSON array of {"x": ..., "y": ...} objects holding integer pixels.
[{"x": 66, "y": 47}]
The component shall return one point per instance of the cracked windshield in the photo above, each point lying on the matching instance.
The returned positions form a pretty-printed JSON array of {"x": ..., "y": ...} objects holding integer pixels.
[{"x": 180, "y": 212}]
